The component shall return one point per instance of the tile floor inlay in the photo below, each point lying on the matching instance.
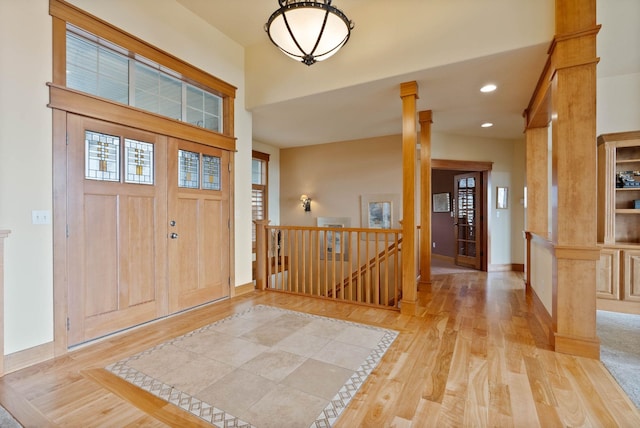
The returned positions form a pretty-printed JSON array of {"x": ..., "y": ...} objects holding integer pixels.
[{"x": 265, "y": 367}]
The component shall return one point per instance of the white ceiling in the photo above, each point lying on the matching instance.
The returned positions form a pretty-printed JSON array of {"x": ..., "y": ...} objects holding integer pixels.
[{"x": 373, "y": 107}]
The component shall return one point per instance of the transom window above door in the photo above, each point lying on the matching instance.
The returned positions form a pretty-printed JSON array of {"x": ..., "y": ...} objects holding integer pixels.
[{"x": 101, "y": 68}]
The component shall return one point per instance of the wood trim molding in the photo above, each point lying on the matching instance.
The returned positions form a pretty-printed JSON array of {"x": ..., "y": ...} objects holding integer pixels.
[
  {"x": 540, "y": 312},
  {"x": 243, "y": 289},
  {"x": 568, "y": 252},
  {"x": 28, "y": 357},
  {"x": 619, "y": 136},
  {"x": 580, "y": 346},
  {"x": 69, "y": 100},
  {"x": 461, "y": 165}
]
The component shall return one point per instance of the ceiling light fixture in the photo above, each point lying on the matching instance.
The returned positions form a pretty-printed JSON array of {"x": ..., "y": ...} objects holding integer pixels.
[
  {"x": 308, "y": 31},
  {"x": 488, "y": 88},
  {"x": 487, "y": 125}
]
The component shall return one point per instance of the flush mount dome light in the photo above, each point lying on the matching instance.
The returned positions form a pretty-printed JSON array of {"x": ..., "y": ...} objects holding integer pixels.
[
  {"x": 488, "y": 88},
  {"x": 308, "y": 31}
]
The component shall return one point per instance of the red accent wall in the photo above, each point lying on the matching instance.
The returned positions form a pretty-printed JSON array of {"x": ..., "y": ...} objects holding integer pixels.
[{"x": 442, "y": 232}]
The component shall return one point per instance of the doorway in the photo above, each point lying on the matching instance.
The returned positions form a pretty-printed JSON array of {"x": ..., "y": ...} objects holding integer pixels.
[
  {"x": 455, "y": 238},
  {"x": 148, "y": 227}
]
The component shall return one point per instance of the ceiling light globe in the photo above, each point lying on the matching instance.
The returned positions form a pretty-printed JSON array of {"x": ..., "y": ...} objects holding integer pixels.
[{"x": 308, "y": 31}]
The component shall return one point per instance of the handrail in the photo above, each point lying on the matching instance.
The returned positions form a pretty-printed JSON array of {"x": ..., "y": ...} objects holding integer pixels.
[
  {"x": 310, "y": 260},
  {"x": 393, "y": 249}
]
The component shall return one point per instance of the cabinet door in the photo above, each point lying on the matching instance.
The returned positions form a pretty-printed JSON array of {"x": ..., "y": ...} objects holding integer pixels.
[
  {"x": 632, "y": 275},
  {"x": 608, "y": 284}
]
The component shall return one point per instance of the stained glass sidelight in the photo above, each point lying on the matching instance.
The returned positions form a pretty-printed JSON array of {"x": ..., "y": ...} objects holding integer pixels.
[
  {"x": 188, "y": 169},
  {"x": 102, "y": 156},
  {"x": 210, "y": 172},
  {"x": 138, "y": 157}
]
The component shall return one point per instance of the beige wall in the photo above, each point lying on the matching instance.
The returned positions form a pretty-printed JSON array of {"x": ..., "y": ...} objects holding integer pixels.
[
  {"x": 26, "y": 141},
  {"x": 336, "y": 175}
]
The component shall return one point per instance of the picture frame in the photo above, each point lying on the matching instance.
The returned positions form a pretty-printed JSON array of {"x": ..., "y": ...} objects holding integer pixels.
[
  {"x": 441, "y": 202},
  {"x": 333, "y": 244},
  {"x": 502, "y": 198},
  {"x": 379, "y": 211}
]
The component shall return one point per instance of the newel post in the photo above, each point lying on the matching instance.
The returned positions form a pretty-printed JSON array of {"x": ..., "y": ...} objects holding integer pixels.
[
  {"x": 261, "y": 253},
  {"x": 409, "y": 94}
]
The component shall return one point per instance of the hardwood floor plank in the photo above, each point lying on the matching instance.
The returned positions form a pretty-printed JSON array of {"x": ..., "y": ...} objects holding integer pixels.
[
  {"x": 145, "y": 401},
  {"x": 475, "y": 356}
]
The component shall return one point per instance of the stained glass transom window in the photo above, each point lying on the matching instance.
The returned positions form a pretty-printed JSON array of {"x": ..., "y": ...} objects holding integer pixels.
[
  {"x": 102, "y": 156},
  {"x": 188, "y": 169},
  {"x": 139, "y": 162},
  {"x": 210, "y": 172}
]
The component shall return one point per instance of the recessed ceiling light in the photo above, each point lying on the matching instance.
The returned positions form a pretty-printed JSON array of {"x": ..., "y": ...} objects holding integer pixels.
[
  {"x": 488, "y": 88},
  {"x": 487, "y": 125}
]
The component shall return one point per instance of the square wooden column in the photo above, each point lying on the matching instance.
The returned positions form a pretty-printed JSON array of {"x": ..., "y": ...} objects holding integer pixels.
[
  {"x": 573, "y": 203},
  {"x": 425, "y": 119},
  {"x": 409, "y": 94}
]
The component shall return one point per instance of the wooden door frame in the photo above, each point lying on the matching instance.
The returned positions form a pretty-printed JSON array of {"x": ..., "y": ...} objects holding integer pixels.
[
  {"x": 64, "y": 101},
  {"x": 485, "y": 169}
]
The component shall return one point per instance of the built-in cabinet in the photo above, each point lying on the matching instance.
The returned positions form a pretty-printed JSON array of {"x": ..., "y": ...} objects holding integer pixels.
[{"x": 618, "y": 287}]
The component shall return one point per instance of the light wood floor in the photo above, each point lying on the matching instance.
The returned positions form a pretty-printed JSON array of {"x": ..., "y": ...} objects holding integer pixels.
[{"x": 476, "y": 356}]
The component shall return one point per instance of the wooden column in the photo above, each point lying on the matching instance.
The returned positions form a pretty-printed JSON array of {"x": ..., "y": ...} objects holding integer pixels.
[
  {"x": 3, "y": 234},
  {"x": 409, "y": 94},
  {"x": 537, "y": 171},
  {"x": 425, "y": 119},
  {"x": 573, "y": 228}
]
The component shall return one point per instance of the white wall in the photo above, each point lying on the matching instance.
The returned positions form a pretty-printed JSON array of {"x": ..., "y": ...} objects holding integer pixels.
[
  {"x": 26, "y": 140},
  {"x": 25, "y": 171},
  {"x": 618, "y": 86}
]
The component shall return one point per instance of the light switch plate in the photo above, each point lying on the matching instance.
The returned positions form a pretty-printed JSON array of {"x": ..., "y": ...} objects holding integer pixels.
[{"x": 41, "y": 217}]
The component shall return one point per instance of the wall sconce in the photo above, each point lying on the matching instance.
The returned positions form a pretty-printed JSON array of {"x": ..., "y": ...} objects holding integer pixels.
[{"x": 306, "y": 202}]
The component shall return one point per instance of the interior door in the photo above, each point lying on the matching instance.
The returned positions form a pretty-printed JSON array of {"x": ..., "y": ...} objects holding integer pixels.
[
  {"x": 468, "y": 209},
  {"x": 199, "y": 228},
  {"x": 116, "y": 211}
]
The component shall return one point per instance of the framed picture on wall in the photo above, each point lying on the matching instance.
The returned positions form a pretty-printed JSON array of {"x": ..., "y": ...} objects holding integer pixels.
[
  {"x": 502, "y": 198},
  {"x": 334, "y": 243},
  {"x": 441, "y": 202},
  {"x": 379, "y": 211}
]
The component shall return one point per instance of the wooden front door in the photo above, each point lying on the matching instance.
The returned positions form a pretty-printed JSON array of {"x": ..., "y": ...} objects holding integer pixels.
[
  {"x": 148, "y": 227},
  {"x": 199, "y": 228},
  {"x": 468, "y": 213},
  {"x": 116, "y": 211}
]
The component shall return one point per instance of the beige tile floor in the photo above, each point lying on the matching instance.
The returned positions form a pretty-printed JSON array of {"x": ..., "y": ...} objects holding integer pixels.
[{"x": 266, "y": 367}]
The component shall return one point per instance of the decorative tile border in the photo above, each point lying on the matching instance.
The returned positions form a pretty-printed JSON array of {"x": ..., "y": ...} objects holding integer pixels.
[{"x": 220, "y": 418}]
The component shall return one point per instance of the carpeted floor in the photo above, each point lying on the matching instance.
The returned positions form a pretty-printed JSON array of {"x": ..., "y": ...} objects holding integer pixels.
[
  {"x": 6, "y": 420},
  {"x": 266, "y": 367},
  {"x": 620, "y": 349}
]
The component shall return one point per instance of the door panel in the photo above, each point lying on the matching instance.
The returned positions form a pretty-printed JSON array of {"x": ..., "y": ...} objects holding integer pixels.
[
  {"x": 199, "y": 251},
  {"x": 468, "y": 227},
  {"x": 117, "y": 230}
]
